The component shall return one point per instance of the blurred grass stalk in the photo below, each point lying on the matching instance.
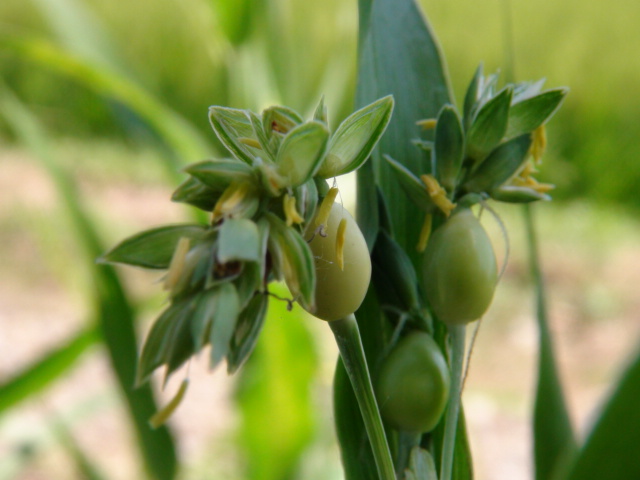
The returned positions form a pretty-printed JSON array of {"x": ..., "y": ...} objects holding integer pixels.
[{"x": 115, "y": 316}]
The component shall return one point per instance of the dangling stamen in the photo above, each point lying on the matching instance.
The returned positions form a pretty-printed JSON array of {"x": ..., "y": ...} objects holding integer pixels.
[
  {"x": 538, "y": 143},
  {"x": 165, "y": 412},
  {"x": 427, "y": 124},
  {"x": 438, "y": 194},
  {"x": 251, "y": 142},
  {"x": 323, "y": 212},
  {"x": 425, "y": 233},
  {"x": 290, "y": 211},
  {"x": 230, "y": 199},
  {"x": 340, "y": 238},
  {"x": 177, "y": 263}
]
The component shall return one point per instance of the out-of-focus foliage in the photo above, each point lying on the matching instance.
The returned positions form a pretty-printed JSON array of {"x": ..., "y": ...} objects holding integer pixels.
[
  {"x": 196, "y": 53},
  {"x": 191, "y": 54},
  {"x": 274, "y": 396}
]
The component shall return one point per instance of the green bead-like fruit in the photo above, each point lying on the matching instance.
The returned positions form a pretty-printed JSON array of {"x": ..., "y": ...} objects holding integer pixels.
[
  {"x": 339, "y": 292},
  {"x": 460, "y": 270},
  {"x": 413, "y": 385}
]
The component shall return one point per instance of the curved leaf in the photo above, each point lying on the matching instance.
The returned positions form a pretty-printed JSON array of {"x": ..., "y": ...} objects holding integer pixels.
[
  {"x": 611, "y": 449},
  {"x": 301, "y": 152},
  {"x": 151, "y": 248},
  {"x": 356, "y": 137},
  {"x": 529, "y": 114}
]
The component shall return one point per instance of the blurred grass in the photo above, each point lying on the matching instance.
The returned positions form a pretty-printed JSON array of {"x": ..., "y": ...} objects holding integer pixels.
[{"x": 292, "y": 51}]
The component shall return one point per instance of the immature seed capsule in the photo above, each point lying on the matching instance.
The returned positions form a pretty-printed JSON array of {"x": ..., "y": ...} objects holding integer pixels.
[
  {"x": 337, "y": 243},
  {"x": 460, "y": 270},
  {"x": 413, "y": 385}
]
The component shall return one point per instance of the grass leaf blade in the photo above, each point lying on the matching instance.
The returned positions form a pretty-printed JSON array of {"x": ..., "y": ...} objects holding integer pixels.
[
  {"x": 552, "y": 432},
  {"x": 611, "y": 449},
  {"x": 37, "y": 376}
]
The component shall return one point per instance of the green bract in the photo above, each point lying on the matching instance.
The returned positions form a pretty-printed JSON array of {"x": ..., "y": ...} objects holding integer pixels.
[
  {"x": 460, "y": 270},
  {"x": 339, "y": 291},
  {"x": 413, "y": 384}
]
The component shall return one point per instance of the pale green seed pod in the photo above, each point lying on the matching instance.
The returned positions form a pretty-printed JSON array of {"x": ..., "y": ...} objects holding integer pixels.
[
  {"x": 413, "y": 384},
  {"x": 460, "y": 270},
  {"x": 339, "y": 291}
]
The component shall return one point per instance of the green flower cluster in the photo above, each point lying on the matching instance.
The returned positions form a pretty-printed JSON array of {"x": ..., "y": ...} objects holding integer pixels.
[
  {"x": 261, "y": 200},
  {"x": 488, "y": 152}
]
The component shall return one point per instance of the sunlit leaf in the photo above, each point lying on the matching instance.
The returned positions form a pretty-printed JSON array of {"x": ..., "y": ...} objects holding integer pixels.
[
  {"x": 230, "y": 125},
  {"x": 280, "y": 120},
  {"x": 220, "y": 173},
  {"x": 356, "y": 137},
  {"x": 529, "y": 114},
  {"x": 301, "y": 152},
  {"x": 239, "y": 239},
  {"x": 489, "y": 126}
]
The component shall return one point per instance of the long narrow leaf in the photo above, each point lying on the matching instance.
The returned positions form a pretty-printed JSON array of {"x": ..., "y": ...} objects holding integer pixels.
[
  {"x": 552, "y": 433},
  {"x": 180, "y": 135},
  {"x": 611, "y": 449},
  {"x": 115, "y": 314},
  {"x": 399, "y": 56},
  {"x": 47, "y": 369}
]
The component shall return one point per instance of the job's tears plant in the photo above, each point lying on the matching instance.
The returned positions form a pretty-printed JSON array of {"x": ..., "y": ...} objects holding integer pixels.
[{"x": 272, "y": 217}]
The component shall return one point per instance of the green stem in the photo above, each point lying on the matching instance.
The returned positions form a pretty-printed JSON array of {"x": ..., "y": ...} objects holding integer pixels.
[
  {"x": 406, "y": 442},
  {"x": 349, "y": 343},
  {"x": 457, "y": 334}
]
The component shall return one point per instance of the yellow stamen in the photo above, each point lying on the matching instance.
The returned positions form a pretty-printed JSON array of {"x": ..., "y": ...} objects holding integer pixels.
[
  {"x": 438, "y": 194},
  {"x": 164, "y": 413},
  {"x": 290, "y": 212},
  {"x": 325, "y": 209},
  {"x": 427, "y": 124},
  {"x": 251, "y": 142},
  {"x": 528, "y": 169},
  {"x": 177, "y": 263},
  {"x": 340, "y": 238},
  {"x": 538, "y": 143},
  {"x": 230, "y": 199},
  {"x": 425, "y": 233},
  {"x": 539, "y": 187}
]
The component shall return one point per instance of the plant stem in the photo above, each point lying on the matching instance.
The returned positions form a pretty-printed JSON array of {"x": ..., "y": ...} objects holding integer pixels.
[
  {"x": 457, "y": 334},
  {"x": 349, "y": 343}
]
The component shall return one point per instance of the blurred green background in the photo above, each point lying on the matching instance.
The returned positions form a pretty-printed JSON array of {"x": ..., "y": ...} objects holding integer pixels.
[{"x": 101, "y": 102}]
